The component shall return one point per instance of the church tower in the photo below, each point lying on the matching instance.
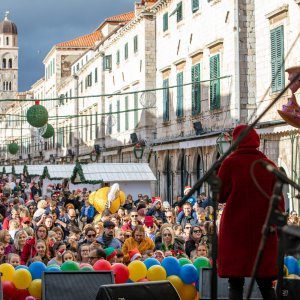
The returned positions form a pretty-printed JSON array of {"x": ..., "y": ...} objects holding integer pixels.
[{"x": 8, "y": 59}]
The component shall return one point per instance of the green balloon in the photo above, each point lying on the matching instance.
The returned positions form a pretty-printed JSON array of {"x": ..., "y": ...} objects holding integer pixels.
[
  {"x": 53, "y": 266},
  {"x": 202, "y": 262},
  {"x": 70, "y": 266},
  {"x": 184, "y": 261},
  {"x": 49, "y": 132}
]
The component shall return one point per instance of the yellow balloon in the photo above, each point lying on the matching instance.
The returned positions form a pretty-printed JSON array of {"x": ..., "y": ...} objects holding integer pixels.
[
  {"x": 22, "y": 279},
  {"x": 156, "y": 273},
  {"x": 176, "y": 282},
  {"x": 188, "y": 292},
  {"x": 7, "y": 271},
  {"x": 35, "y": 288},
  {"x": 137, "y": 270}
]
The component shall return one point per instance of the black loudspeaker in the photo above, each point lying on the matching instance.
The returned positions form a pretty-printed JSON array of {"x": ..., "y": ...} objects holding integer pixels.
[
  {"x": 74, "y": 285},
  {"x": 198, "y": 128},
  {"x": 290, "y": 289},
  {"x": 134, "y": 138},
  {"x": 138, "y": 291},
  {"x": 205, "y": 286}
]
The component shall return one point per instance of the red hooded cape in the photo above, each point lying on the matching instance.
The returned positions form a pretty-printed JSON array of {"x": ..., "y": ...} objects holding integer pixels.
[{"x": 245, "y": 211}]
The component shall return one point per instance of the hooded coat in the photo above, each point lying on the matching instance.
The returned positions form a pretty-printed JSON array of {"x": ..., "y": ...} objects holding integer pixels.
[{"x": 245, "y": 211}]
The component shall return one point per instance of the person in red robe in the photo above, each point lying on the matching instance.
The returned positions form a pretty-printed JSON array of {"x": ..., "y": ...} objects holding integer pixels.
[{"x": 243, "y": 218}]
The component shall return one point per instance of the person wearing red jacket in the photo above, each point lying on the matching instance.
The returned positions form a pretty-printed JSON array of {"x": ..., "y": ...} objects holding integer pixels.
[
  {"x": 29, "y": 251},
  {"x": 243, "y": 218}
]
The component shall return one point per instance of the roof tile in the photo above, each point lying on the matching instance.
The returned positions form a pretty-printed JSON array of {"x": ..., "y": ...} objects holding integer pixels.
[
  {"x": 121, "y": 18},
  {"x": 87, "y": 40}
]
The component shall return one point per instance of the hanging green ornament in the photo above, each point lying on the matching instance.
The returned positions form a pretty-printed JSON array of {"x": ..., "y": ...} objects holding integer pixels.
[
  {"x": 13, "y": 148},
  {"x": 37, "y": 115},
  {"x": 49, "y": 132}
]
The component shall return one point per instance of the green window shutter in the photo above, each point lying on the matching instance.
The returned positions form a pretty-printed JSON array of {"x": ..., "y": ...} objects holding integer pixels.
[
  {"x": 277, "y": 58},
  {"x": 70, "y": 135},
  {"x": 166, "y": 104},
  {"x": 118, "y": 116},
  {"x": 96, "y": 75},
  {"x": 126, "y": 51},
  {"x": 195, "y": 5},
  {"x": 165, "y": 22},
  {"x": 126, "y": 114},
  {"x": 118, "y": 57},
  {"x": 136, "y": 106},
  {"x": 179, "y": 12},
  {"x": 135, "y": 44},
  {"x": 196, "y": 90},
  {"x": 110, "y": 119},
  {"x": 215, "y": 97},
  {"x": 107, "y": 62},
  {"x": 179, "y": 110}
]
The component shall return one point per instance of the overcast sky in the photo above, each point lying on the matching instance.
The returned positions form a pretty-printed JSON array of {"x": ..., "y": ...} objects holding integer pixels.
[{"x": 43, "y": 23}]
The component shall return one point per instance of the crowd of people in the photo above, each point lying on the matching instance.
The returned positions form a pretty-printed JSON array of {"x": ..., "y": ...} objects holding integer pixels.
[{"x": 62, "y": 225}]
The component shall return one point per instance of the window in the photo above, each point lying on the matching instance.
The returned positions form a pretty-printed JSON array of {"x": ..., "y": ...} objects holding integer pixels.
[
  {"x": 165, "y": 22},
  {"x": 166, "y": 100},
  {"x": 214, "y": 65},
  {"x": 196, "y": 89},
  {"x": 136, "y": 106},
  {"x": 178, "y": 12},
  {"x": 118, "y": 57},
  {"x": 179, "y": 110},
  {"x": 277, "y": 58},
  {"x": 4, "y": 63},
  {"x": 10, "y": 63},
  {"x": 7, "y": 41},
  {"x": 135, "y": 44},
  {"x": 96, "y": 75},
  {"x": 89, "y": 79},
  {"x": 118, "y": 116},
  {"x": 126, "y": 114},
  {"x": 195, "y": 5},
  {"x": 107, "y": 62},
  {"x": 126, "y": 51}
]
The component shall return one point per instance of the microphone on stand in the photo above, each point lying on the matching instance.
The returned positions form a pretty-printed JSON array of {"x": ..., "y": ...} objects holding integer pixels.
[{"x": 279, "y": 174}]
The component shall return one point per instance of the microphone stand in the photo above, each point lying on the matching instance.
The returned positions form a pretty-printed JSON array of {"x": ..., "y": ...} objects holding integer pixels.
[
  {"x": 274, "y": 216},
  {"x": 218, "y": 162}
]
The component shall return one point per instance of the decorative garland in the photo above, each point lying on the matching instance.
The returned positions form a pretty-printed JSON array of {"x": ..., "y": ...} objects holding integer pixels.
[
  {"x": 47, "y": 175},
  {"x": 78, "y": 170}
]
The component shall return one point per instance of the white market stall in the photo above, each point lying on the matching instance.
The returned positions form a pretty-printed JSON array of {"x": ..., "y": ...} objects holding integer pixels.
[{"x": 133, "y": 178}]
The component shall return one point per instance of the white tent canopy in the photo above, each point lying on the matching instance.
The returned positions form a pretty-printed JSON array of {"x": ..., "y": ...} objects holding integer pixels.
[{"x": 60, "y": 171}]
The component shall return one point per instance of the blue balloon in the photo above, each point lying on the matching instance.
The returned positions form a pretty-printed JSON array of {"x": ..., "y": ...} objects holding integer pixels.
[
  {"x": 21, "y": 267},
  {"x": 171, "y": 265},
  {"x": 189, "y": 274},
  {"x": 36, "y": 269},
  {"x": 149, "y": 262},
  {"x": 292, "y": 264}
]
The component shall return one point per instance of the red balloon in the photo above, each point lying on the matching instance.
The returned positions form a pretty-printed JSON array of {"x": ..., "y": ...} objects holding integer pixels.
[
  {"x": 102, "y": 265},
  {"x": 121, "y": 273},
  {"x": 9, "y": 290},
  {"x": 21, "y": 295}
]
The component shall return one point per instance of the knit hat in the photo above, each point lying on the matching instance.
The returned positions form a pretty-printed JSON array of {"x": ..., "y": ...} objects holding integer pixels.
[
  {"x": 186, "y": 189},
  {"x": 134, "y": 254},
  {"x": 110, "y": 253},
  {"x": 155, "y": 200},
  {"x": 166, "y": 204}
]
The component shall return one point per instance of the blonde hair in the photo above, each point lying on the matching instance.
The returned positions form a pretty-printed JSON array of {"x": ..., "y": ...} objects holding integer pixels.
[
  {"x": 17, "y": 237},
  {"x": 14, "y": 224},
  {"x": 42, "y": 204},
  {"x": 29, "y": 231},
  {"x": 3, "y": 233},
  {"x": 171, "y": 232}
]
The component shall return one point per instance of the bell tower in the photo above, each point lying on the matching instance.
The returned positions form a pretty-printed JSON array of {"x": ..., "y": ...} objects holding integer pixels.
[{"x": 8, "y": 59}]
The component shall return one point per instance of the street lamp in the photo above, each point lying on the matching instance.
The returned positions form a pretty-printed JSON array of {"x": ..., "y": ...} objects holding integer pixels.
[
  {"x": 93, "y": 156},
  {"x": 223, "y": 142},
  {"x": 138, "y": 151}
]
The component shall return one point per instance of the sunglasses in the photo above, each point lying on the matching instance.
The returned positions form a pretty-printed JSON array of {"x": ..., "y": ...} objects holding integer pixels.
[
  {"x": 196, "y": 231},
  {"x": 167, "y": 234},
  {"x": 128, "y": 235},
  {"x": 169, "y": 217},
  {"x": 134, "y": 216},
  {"x": 189, "y": 227},
  {"x": 91, "y": 235}
]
